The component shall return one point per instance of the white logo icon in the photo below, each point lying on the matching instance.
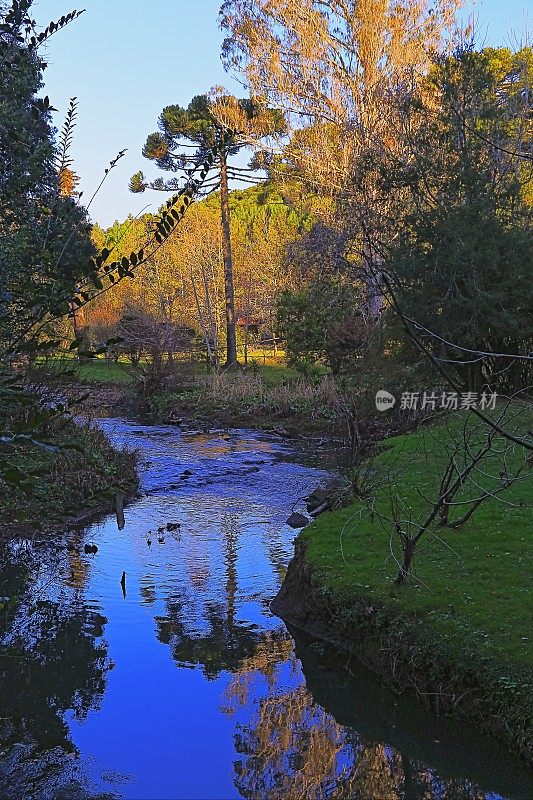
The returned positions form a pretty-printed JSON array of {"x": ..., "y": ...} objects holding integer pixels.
[{"x": 384, "y": 400}]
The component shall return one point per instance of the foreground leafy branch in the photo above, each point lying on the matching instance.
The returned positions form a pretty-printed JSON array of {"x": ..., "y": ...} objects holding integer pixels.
[{"x": 50, "y": 268}]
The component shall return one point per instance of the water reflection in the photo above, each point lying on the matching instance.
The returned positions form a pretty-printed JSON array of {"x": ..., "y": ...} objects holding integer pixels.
[
  {"x": 200, "y": 624},
  {"x": 35, "y": 631},
  {"x": 211, "y": 696},
  {"x": 291, "y": 746},
  {"x": 79, "y": 566}
]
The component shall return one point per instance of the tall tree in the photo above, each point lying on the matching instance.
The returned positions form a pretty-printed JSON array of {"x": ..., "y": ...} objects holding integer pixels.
[
  {"x": 206, "y": 122},
  {"x": 44, "y": 233},
  {"x": 332, "y": 64},
  {"x": 47, "y": 262},
  {"x": 335, "y": 66},
  {"x": 460, "y": 251}
]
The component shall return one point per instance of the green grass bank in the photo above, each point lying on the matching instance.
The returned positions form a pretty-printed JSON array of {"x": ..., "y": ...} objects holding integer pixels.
[{"x": 458, "y": 633}]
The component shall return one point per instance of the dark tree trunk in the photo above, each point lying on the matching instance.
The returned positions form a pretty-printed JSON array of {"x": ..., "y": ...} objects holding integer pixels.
[
  {"x": 78, "y": 323},
  {"x": 231, "y": 358},
  {"x": 408, "y": 553}
]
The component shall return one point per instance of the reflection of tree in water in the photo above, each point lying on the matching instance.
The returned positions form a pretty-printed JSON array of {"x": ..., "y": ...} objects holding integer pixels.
[
  {"x": 204, "y": 631},
  {"x": 50, "y": 663},
  {"x": 230, "y": 532},
  {"x": 79, "y": 565},
  {"x": 274, "y": 541},
  {"x": 198, "y": 571},
  {"x": 273, "y": 650},
  {"x": 219, "y": 644},
  {"x": 293, "y": 748}
]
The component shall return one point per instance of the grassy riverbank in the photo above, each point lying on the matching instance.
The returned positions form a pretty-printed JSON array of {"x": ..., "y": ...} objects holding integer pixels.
[
  {"x": 109, "y": 372},
  {"x": 458, "y": 632},
  {"x": 264, "y": 400},
  {"x": 64, "y": 485},
  {"x": 267, "y": 394}
]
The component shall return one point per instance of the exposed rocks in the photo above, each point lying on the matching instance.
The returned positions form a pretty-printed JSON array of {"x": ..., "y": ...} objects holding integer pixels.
[
  {"x": 324, "y": 498},
  {"x": 279, "y": 431},
  {"x": 327, "y": 497},
  {"x": 316, "y": 499},
  {"x": 297, "y": 520}
]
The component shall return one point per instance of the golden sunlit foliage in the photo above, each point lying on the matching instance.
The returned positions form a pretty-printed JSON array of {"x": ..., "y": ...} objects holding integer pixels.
[{"x": 184, "y": 282}]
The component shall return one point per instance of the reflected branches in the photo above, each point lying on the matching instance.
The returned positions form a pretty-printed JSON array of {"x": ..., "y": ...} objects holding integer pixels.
[
  {"x": 290, "y": 746},
  {"x": 36, "y": 635}
]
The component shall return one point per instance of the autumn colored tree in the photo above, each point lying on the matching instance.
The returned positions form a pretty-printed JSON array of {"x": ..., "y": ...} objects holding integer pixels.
[
  {"x": 335, "y": 67},
  {"x": 206, "y": 122},
  {"x": 183, "y": 282},
  {"x": 331, "y": 65}
]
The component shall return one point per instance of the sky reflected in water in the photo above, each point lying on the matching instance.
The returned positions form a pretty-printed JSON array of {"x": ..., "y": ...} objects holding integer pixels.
[{"x": 188, "y": 687}]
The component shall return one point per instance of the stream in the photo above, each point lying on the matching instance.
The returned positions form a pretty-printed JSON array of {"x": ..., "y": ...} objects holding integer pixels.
[{"x": 179, "y": 683}]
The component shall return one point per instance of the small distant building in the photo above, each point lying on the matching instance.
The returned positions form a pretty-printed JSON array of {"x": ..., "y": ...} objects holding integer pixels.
[{"x": 252, "y": 323}]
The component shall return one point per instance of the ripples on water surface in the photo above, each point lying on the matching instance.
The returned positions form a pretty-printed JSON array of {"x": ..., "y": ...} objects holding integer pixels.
[{"x": 188, "y": 687}]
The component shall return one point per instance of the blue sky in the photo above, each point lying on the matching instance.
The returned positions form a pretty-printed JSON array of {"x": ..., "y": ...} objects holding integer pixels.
[{"x": 126, "y": 59}]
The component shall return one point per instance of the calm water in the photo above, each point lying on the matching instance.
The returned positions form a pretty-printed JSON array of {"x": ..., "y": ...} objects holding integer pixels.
[{"x": 188, "y": 687}]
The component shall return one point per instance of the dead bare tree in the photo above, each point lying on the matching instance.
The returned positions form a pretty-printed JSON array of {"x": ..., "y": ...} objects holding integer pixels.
[
  {"x": 148, "y": 345},
  {"x": 479, "y": 465}
]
